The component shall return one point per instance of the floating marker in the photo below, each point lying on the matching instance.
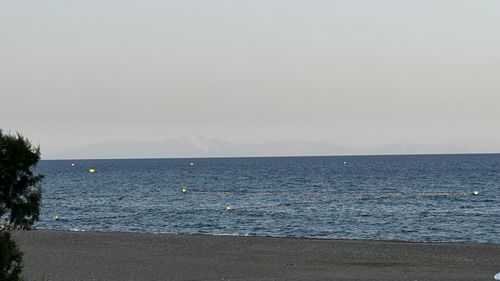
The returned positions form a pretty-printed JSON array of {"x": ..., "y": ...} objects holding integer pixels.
[
  {"x": 56, "y": 216},
  {"x": 184, "y": 190},
  {"x": 345, "y": 163},
  {"x": 191, "y": 164},
  {"x": 475, "y": 192},
  {"x": 91, "y": 170},
  {"x": 497, "y": 276},
  {"x": 72, "y": 164},
  {"x": 228, "y": 208}
]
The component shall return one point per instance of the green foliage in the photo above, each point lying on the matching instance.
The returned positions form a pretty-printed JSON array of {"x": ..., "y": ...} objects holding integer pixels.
[
  {"x": 20, "y": 197},
  {"x": 10, "y": 259},
  {"x": 20, "y": 190}
]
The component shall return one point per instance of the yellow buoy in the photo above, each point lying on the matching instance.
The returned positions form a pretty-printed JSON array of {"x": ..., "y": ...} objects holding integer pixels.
[{"x": 91, "y": 170}]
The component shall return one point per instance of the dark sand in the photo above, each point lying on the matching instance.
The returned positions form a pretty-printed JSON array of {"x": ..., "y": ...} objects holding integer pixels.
[{"x": 71, "y": 256}]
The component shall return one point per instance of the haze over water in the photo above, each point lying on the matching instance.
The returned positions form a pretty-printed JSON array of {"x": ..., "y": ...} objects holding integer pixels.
[
  {"x": 362, "y": 74},
  {"x": 414, "y": 198}
]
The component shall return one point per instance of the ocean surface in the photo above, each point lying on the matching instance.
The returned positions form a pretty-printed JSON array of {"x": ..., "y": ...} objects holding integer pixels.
[{"x": 412, "y": 198}]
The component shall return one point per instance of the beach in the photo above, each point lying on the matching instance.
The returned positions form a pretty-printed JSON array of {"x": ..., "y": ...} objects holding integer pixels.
[{"x": 63, "y": 255}]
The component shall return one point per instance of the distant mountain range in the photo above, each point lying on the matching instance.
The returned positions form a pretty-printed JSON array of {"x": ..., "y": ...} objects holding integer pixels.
[
  {"x": 199, "y": 147},
  {"x": 190, "y": 147}
]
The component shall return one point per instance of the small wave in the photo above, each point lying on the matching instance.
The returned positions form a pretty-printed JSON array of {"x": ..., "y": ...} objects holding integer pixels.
[
  {"x": 77, "y": 230},
  {"x": 234, "y": 234}
]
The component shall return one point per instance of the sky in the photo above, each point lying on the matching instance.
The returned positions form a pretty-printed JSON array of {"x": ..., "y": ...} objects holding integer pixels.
[{"x": 362, "y": 73}]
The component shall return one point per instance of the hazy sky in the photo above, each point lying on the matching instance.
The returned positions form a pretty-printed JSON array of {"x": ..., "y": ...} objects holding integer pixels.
[{"x": 348, "y": 72}]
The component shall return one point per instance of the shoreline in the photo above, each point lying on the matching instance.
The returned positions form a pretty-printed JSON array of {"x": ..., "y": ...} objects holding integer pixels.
[
  {"x": 82, "y": 255},
  {"x": 258, "y": 236}
]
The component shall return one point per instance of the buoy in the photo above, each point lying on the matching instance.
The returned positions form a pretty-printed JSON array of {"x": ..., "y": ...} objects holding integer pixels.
[
  {"x": 91, "y": 170},
  {"x": 56, "y": 216},
  {"x": 72, "y": 164},
  {"x": 228, "y": 208},
  {"x": 497, "y": 276},
  {"x": 184, "y": 190},
  {"x": 345, "y": 163},
  {"x": 475, "y": 192},
  {"x": 191, "y": 164}
]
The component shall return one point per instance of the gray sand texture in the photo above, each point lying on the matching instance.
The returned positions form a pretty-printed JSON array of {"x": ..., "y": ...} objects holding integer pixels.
[{"x": 60, "y": 255}]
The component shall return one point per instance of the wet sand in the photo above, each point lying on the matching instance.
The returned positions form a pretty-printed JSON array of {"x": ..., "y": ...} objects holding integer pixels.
[{"x": 60, "y": 255}]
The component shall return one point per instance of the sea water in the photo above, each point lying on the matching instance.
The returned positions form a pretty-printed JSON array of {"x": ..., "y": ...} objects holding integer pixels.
[{"x": 412, "y": 198}]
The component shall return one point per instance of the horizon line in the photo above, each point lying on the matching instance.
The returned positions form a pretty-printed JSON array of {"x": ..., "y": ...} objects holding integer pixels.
[{"x": 276, "y": 156}]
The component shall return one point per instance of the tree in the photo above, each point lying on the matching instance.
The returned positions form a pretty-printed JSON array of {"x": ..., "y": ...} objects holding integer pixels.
[
  {"x": 10, "y": 259},
  {"x": 20, "y": 190},
  {"x": 20, "y": 197}
]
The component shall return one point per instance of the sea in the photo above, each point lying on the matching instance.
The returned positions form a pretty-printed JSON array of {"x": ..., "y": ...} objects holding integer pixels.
[{"x": 439, "y": 198}]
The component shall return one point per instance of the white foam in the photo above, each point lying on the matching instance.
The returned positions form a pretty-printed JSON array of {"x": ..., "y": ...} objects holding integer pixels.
[{"x": 76, "y": 229}]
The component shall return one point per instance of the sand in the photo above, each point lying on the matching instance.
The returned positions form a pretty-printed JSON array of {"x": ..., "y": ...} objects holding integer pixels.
[{"x": 59, "y": 255}]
